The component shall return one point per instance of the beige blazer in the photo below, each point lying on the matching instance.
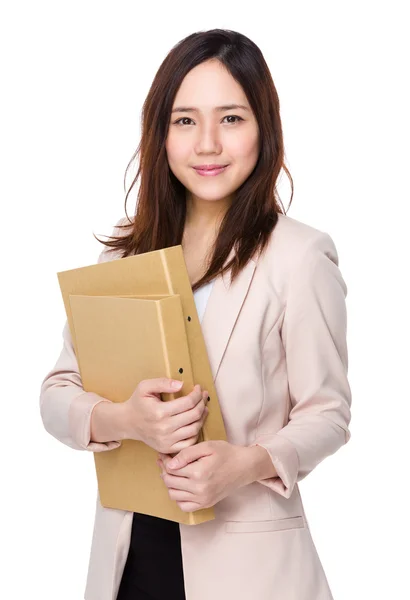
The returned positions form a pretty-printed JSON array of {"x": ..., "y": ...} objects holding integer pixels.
[{"x": 277, "y": 347}]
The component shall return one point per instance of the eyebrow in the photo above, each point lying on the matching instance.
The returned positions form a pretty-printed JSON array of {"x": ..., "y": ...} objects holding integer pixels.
[{"x": 217, "y": 108}]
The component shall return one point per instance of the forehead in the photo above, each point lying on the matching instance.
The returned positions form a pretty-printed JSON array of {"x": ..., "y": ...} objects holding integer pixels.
[{"x": 209, "y": 85}]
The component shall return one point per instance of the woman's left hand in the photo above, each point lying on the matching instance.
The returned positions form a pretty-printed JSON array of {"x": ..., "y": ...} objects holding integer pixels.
[{"x": 204, "y": 473}]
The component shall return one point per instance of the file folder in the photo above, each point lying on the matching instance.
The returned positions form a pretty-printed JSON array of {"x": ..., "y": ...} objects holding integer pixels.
[{"x": 133, "y": 294}]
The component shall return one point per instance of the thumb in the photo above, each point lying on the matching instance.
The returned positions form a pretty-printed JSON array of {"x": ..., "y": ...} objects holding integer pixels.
[
  {"x": 186, "y": 456},
  {"x": 158, "y": 385}
]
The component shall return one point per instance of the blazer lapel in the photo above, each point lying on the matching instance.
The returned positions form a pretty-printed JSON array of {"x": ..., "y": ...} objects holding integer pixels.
[{"x": 222, "y": 310}]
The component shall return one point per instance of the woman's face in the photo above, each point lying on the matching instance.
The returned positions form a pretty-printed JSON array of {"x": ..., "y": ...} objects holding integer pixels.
[{"x": 201, "y": 133}]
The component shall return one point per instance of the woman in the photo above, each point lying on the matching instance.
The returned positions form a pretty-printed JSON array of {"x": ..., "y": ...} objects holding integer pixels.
[{"x": 275, "y": 329}]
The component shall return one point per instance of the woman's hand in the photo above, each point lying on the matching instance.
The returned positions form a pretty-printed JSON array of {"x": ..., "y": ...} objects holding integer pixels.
[
  {"x": 165, "y": 426},
  {"x": 205, "y": 473}
]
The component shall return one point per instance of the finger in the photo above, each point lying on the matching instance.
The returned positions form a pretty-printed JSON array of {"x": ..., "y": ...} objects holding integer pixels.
[
  {"x": 191, "y": 454},
  {"x": 178, "y": 446},
  {"x": 189, "y": 431},
  {"x": 179, "y": 483},
  {"x": 189, "y": 506},
  {"x": 161, "y": 467},
  {"x": 157, "y": 386},
  {"x": 181, "y": 473},
  {"x": 181, "y": 496},
  {"x": 163, "y": 458},
  {"x": 188, "y": 471},
  {"x": 185, "y": 403},
  {"x": 181, "y": 405},
  {"x": 190, "y": 416}
]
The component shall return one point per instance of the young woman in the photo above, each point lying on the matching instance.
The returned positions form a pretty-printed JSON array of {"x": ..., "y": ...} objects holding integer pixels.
[{"x": 275, "y": 329}]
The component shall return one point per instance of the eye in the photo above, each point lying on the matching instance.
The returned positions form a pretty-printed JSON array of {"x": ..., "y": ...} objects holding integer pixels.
[
  {"x": 233, "y": 117},
  {"x": 182, "y": 119},
  {"x": 178, "y": 122}
]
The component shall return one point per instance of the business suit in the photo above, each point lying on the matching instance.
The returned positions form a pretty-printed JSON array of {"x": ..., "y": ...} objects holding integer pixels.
[{"x": 276, "y": 340}]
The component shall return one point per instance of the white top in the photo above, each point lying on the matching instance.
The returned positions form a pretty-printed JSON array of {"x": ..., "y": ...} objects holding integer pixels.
[{"x": 201, "y": 296}]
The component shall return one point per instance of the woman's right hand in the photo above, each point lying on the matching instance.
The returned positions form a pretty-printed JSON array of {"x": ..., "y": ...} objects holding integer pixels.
[{"x": 168, "y": 427}]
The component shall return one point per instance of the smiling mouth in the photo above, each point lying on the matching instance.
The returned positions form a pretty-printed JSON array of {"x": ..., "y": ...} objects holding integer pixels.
[{"x": 211, "y": 171}]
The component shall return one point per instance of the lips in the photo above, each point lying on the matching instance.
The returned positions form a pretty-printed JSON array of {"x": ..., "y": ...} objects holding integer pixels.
[
  {"x": 209, "y": 167},
  {"x": 211, "y": 170}
]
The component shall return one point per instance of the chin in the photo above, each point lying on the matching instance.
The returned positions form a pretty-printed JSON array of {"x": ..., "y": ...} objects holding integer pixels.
[{"x": 211, "y": 197}]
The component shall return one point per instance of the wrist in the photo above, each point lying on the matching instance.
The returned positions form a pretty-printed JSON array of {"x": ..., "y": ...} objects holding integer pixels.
[
  {"x": 122, "y": 421},
  {"x": 260, "y": 464},
  {"x": 108, "y": 422}
]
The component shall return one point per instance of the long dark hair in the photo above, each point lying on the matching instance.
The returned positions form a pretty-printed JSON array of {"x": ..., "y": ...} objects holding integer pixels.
[{"x": 161, "y": 204}]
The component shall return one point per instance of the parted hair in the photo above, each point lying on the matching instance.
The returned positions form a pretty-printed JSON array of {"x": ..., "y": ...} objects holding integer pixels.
[{"x": 160, "y": 213}]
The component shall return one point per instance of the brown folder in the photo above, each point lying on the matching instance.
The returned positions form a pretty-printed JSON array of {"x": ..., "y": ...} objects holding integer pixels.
[{"x": 151, "y": 288}]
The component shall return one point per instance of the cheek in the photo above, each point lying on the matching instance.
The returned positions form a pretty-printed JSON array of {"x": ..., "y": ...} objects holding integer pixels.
[
  {"x": 244, "y": 149},
  {"x": 177, "y": 151},
  {"x": 247, "y": 160},
  {"x": 251, "y": 148}
]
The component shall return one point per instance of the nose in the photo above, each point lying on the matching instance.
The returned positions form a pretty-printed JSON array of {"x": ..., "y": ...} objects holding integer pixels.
[{"x": 207, "y": 139}]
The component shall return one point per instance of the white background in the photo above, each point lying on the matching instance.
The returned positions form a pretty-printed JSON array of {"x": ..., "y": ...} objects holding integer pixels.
[{"x": 74, "y": 77}]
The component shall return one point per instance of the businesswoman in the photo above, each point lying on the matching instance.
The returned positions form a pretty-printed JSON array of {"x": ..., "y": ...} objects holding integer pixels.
[{"x": 271, "y": 300}]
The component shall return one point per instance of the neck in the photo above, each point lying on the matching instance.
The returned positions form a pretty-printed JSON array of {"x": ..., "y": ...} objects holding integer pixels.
[{"x": 205, "y": 215}]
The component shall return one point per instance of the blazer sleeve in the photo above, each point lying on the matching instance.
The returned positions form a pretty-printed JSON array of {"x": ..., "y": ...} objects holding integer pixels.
[
  {"x": 313, "y": 333},
  {"x": 65, "y": 407}
]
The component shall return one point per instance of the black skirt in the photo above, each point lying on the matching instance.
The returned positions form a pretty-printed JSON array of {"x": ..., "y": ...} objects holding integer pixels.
[{"x": 153, "y": 570}]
